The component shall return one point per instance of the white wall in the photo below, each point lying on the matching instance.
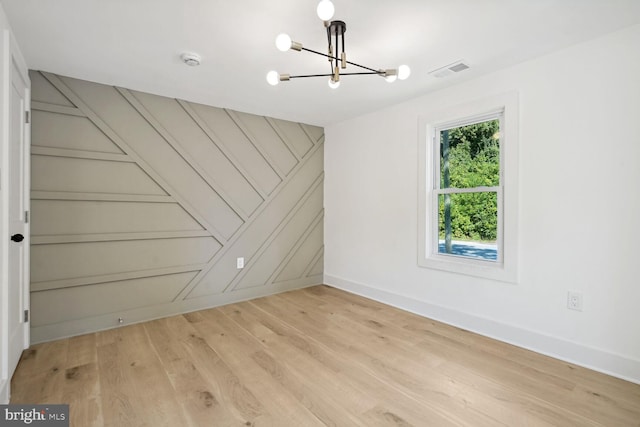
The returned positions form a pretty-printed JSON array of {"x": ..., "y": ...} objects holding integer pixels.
[{"x": 579, "y": 208}]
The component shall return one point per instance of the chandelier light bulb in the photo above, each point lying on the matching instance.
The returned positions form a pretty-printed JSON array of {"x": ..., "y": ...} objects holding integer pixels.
[
  {"x": 404, "y": 72},
  {"x": 391, "y": 78},
  {"x": 283, "y": 42},
  {"x": 325, "y": 10},
  {"x": 334, "y": 85},
  {"x": 273, "y": 78}
]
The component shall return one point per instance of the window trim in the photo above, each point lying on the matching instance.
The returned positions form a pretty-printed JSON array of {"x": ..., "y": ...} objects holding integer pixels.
[{"x": 506, "y": 267}]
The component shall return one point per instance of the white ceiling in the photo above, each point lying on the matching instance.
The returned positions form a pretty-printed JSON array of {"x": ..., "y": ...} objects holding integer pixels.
[{"x": 137, "y": 44}]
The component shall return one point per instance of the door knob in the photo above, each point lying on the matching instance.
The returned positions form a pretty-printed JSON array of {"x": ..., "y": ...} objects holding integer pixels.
[{"x": 17, "y": 237}]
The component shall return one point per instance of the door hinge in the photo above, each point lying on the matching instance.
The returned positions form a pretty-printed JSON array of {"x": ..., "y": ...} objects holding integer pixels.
[
  {"x": 26, "y": 217},
  {"x": 26, "y": 316},
  {"x": 27, "y": 118}
]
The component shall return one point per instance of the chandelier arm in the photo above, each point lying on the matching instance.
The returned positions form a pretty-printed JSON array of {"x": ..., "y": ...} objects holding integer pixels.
[
  {"x": 366, "y": 68},
  {"x": 329, "y": 49},
  {"x": 343, "y": 56},
  {"x": 348, "y": 62},
  {"x": 362, "y": 73},
  {"x": 337, "y": 46},
  {"x": 330, "y": 75},
  {"x": 310, "y": 75}
]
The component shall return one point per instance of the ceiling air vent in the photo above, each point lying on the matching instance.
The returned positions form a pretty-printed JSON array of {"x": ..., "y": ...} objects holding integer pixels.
[{"x": 447, "y": 70}]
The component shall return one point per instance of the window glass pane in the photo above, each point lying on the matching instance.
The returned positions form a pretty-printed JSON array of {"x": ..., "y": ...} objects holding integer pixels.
[
  {"x": 468, "y": 225},
  {"x": 470, "y": 155}
]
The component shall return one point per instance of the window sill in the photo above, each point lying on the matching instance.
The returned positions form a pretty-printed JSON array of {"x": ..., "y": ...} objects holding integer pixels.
[{"x": 470, "y": 267}]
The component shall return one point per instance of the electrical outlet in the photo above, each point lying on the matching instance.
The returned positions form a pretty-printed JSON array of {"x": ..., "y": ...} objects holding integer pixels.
[
  {"x": 240, "y": 262},
  {"x": 574, "y": 301}
]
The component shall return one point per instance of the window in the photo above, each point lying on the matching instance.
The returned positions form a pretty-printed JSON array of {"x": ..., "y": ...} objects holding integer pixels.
[{"x": 468, "y": 191}]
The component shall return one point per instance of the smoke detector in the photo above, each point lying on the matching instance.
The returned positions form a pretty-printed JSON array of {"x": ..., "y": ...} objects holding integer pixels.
[
  {"x": 191, "y": 59},
  {"x": 447, "y": 70}
]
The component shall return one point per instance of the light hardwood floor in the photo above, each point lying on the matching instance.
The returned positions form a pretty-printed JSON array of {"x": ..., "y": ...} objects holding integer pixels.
[{"x": 313, "y": 357}]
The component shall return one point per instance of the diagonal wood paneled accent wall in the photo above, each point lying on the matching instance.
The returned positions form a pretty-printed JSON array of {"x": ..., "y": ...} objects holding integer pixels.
[{"x": 141, "y": 205}]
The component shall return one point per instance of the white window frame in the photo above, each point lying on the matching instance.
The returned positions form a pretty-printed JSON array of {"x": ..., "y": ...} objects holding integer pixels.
[{"x": 505, "y": 268}]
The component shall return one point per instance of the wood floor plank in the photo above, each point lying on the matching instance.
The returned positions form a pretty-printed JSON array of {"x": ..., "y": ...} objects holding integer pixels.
[
  {"x": 312, "y": 357},
  {"x": 495, "y": 397},
  {"x": 525, "y": 380},
  {"x": 584, "y": 377},
  {"x": 242, "y": 404},
  {"x": 237, "y": 347},
  {"x": 536, "y": 368},
  {"x": 81, "y": 390},
  {"x": 412, "y": 373},
  {"x": 201, "y": 400},
  {"x": 82, "y": 350},
  {"x": 541, "y": 404},
  {"x": 417, "y": 374},
  {"x": 157, "y": 396},
  {"x": 353, "y": 385},
  {"x": 524, "y": 373},
  {"x": 308, "y": 389},
  {"x": 119, "y": 398},
  {"x": 42, "y": 378}
]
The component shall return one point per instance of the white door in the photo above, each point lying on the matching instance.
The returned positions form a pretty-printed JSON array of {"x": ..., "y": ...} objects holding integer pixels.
[{"x": 17, "y": 305}]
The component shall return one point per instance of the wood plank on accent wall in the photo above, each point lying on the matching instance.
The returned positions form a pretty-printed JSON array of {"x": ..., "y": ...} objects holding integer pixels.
[
  {"x": 76, "y": 175},
  {"x": 60, "y": 217},
  {"x": 260, "y": 270},
  {"x": 257, "y": 128},
  {"x": 59, "y": 305},
  {"x": 305, "y": 256},
  {"x": 159, "y": 156},
  {"x": 201, "y": 150},
  {"x": 70, "y": 132},
  {"x": 224, "y": 271},
  {"x": 227, "y": 133},
  {"x": 295, "y": 135},
  {"x": 141, "y": 205},
  {"x": 86, "y": 259},
  {"x": 43, "y": 91}
]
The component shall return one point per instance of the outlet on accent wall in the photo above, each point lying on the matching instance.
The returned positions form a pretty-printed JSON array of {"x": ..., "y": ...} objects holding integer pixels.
[{"x": 574, "y": 301}]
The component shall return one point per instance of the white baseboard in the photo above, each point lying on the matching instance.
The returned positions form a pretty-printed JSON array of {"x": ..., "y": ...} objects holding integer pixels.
[
  {"x": 4, "y": 391},
  {"x": 591, "y": 358}
]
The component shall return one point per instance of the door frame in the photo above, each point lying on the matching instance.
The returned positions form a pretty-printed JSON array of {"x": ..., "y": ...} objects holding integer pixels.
[{"x": 11, "y": 59}]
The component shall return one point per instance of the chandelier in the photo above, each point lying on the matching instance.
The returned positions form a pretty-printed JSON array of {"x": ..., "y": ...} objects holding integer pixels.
[{"x": 335, "y": 53}]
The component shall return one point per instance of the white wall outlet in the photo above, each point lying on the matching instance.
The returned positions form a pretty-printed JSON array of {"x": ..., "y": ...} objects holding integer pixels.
[
  {"x": 240, "y": 262},
  {"x": 574, "y": 301}
]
